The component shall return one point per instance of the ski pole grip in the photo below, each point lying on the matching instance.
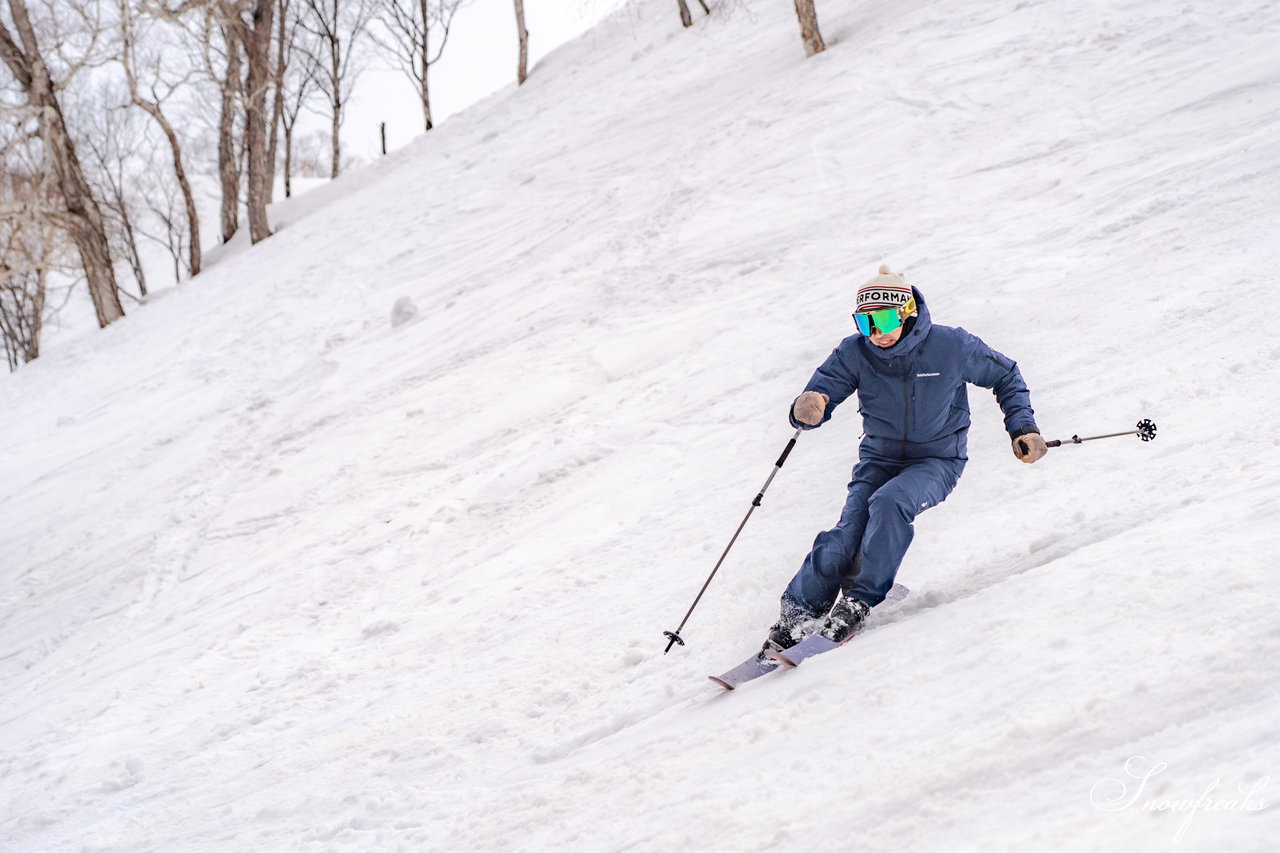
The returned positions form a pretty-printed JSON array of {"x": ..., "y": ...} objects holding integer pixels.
[
  {"x": 1057, "y": 442},
  {"x": 785, "y": 453}
]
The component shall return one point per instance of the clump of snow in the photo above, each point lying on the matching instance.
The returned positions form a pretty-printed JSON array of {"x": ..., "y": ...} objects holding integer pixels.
[{"x": 404, "y": 311}]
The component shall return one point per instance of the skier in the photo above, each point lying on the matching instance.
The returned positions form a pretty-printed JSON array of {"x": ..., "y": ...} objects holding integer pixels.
[{"x": 910, "y": 376}]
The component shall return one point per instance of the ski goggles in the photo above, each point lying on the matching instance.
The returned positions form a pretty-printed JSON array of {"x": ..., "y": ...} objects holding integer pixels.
[{"x": 883, "y": 320}]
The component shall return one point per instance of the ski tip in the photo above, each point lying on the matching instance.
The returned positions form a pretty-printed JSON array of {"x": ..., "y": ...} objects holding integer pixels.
[{"x": 726, "y": 685}]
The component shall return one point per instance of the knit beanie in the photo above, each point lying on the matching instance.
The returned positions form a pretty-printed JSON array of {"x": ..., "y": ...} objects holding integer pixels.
[{"x": 886, "y": 290}]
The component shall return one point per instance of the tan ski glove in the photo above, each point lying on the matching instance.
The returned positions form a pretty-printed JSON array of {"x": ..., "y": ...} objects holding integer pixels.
[
  {"x": 1034, "y": 444},
  {"x": 809, "y": 408}
]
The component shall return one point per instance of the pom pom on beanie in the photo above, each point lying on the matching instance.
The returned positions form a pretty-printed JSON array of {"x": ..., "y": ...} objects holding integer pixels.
[{"x": 885, "y": 290}]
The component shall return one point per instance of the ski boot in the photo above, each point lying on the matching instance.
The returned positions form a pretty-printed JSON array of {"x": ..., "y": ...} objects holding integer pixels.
[
  {"x": 781, "y": 636},
  {"x": 845, "y": 619}
]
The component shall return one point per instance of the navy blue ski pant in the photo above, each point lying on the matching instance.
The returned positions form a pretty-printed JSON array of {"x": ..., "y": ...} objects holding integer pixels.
[{"x": 862, "y": 553}]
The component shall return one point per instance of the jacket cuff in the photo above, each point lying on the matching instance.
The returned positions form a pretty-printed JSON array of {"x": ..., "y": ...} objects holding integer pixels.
[{"x": 1021, "y": 431}]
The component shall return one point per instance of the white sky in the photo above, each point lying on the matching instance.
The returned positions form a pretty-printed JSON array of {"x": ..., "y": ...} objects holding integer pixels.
[{"x": 480, "y": 58}]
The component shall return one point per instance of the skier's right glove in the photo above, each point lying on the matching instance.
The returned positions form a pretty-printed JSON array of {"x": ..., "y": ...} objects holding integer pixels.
[
  {"x": 1030, "y": 447},
  {"x": 809, "y": 408}
]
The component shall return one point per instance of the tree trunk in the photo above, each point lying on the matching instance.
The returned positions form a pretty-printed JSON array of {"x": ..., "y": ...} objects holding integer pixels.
[
  {"x": 95, "y": 256},
  {"x": 426, "y": 65},
  {"x": 257, "y": 49},
  {"x": 288, "y": 160},
  {"x": 36, "y": 320},
  {"x": 83, "y": 217},
  {"x": 188, "y": 198},
  {"x": 522, "y": 72},
  {"x": 685, "y": 18},
  {"x": 809, "y": 33},
  {"x": 195, "y": 256},
  {"x": 277, "y": 101},
  {"x": 335, "y": 125},
  {"x": 135, "y": 259},
  {"x": 228, "y": 166}
]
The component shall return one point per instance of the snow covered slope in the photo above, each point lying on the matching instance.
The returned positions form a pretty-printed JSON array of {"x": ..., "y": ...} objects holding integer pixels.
[{"x": 276, "y": 574}]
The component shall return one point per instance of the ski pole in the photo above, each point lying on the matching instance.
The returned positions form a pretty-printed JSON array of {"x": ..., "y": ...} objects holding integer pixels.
[
  {"x": 1146, "y": 431},
  {"x": 674, "y": 636}
]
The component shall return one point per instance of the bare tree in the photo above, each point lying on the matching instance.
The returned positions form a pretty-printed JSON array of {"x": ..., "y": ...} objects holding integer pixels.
[
  {"x": 294, "y": 84},
  {"x": 23, "y": 270},
  {"x": 229, "y": 83},
  {"x": 246, "y": 27},
  {"x": 522, "y": 71},
  {"x": 166, "y": 206},
  {"x": 337, "y": 27},
  {"x": 412, "y": 26},
  {"x": 283, "y": 57},
  {"x": 35, "y": 250},
  {"x": 158, "y": 90},
  {"x": 22, "y": 295},
  {"x": 809, "y": 32},
  {"x": 298, "y": 84},
  {"x": 76, "y": 208},
  {"x": 223, "y": 65},
  {"x": 252, "y": 26}
]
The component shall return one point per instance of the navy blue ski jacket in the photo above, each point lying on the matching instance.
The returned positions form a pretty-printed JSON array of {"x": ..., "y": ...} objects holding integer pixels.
[{"x": 913, "y": 396}]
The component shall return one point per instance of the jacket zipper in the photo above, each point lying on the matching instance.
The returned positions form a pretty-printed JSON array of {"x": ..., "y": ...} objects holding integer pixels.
[{"x": 906, "y": 400}]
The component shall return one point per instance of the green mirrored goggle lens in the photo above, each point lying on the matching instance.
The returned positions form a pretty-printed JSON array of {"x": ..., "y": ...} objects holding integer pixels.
[{"x": 885, "y": 321}]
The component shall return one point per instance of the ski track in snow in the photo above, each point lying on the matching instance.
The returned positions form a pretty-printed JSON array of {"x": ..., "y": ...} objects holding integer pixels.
[{"x": 279, "y": 575}]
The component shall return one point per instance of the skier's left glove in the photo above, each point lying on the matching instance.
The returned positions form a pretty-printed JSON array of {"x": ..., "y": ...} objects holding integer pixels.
[
  {"x": 1034, "y": 444},
  {"x": 809, "y": 408}
]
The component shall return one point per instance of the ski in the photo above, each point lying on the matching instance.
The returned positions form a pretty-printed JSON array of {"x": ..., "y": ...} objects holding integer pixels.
[
  {"x": 763, "y": 663},
  {"x": 753, "y": 667}
]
